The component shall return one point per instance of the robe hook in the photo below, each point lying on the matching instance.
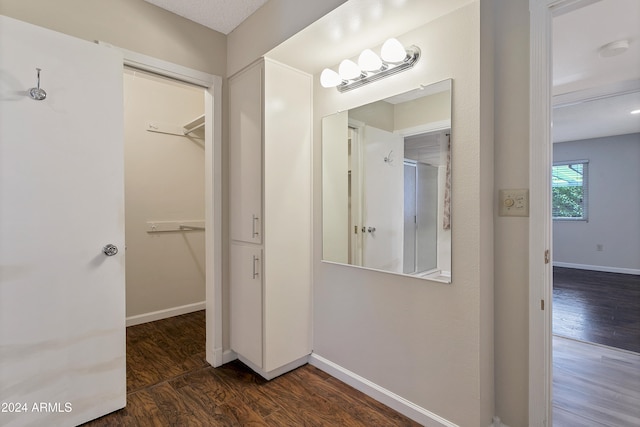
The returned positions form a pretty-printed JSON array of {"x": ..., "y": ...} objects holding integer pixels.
[
  {"x": 37, "y": 93},
  {"x": 388, "y": 158}
]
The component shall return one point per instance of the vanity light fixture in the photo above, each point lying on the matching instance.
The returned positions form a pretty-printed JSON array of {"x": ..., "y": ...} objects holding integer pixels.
[{"x": 394, "y": 58}]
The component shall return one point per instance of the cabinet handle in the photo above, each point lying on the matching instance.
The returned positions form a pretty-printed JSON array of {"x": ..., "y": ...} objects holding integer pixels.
[
  {"x": 255, "y": 270},
  {"x": 255, "y": 220}
]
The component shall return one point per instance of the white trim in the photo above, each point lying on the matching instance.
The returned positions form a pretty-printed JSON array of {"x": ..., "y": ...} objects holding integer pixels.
[
  {"x": 595, "y": 93},
  {"x": 541, "y": 13},
  {"x": 228, "y": 356},
  {"x": 275, "y": 372},
  {"x": 164, "y": 68},
  {"x": 392, "y": 400},
  {"x": 424, "y": 128},
  {"x": 213, "y": 184},
  {"x": 540, "y": 225},
  {"x": 497, "y": 423},
  {"x": 603, "y": 268},
  {"x": 213, "y": 218},
  {"x": 164, "y": 314}
]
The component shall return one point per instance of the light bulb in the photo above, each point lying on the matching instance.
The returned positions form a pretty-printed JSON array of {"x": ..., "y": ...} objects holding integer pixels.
[
  {"x": 369, "y": 61},
  {"x": 393, "y": 51},
  {"x": 349, "y": 70},
  {"x": 329, "y": 78}
]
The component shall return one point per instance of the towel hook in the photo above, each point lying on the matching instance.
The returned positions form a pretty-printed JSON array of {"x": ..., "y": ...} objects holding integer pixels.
[
  {"x": 37, "y": 93},
  {"x": 388, "y": 158}
]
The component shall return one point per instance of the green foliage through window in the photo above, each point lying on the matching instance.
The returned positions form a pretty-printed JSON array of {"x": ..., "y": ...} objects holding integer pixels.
[{"x": 569, "y": 190}]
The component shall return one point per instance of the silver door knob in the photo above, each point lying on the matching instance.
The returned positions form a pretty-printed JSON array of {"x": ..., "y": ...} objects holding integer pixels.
[{"x": 110, "y": 250}]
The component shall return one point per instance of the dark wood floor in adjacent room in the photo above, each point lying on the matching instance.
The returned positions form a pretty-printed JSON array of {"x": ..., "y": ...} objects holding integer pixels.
[
  {"x": 597, "y": 307},
  {"x": 596, "y": 349},
  {"x": 169, "y": 383}
]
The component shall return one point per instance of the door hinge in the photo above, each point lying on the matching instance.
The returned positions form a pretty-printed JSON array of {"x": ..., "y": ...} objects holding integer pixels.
[
  {"x": 541, "y": 304},
  {"x": 547, "y": 256},
  {"x": 355, "y": 229}
]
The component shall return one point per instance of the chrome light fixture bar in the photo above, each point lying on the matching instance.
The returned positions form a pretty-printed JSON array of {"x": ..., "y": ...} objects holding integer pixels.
[{"x": 394, "y": 58}]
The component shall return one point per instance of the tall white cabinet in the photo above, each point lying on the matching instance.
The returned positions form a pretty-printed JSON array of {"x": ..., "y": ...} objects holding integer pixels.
[{"x": 270, "y": 216}]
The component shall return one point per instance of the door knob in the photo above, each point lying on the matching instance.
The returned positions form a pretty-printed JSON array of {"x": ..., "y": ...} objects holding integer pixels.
[{"x": 110, "y": 250}]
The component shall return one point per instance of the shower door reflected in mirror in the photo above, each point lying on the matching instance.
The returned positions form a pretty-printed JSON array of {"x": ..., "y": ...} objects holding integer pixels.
[{"x": 386, "y": 184}]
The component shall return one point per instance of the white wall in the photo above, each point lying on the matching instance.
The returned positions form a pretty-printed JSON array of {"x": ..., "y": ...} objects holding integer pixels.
[
  {"x": 613, "y": 209},
  {"x": 335, "y": 200},
  {"x": 164, "y": 181},
  {"x": 273, "y": 23},
  {"x": 511, "y": 29},
  {"x": 430, "y": 343},
  {"x": 131, "y": 24}
]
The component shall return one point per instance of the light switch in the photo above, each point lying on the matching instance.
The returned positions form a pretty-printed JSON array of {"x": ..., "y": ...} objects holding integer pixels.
[{"x": 514, "y": 202}]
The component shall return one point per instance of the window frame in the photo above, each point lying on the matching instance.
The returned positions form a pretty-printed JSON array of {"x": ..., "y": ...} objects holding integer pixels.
[{"x": 585, "y": 190}]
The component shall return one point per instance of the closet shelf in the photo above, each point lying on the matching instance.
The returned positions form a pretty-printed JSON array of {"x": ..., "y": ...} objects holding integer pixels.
[
  {"x": 174, "y": 129},
  {"x": 165, "y": 226},
  {"x": 194, "y": 124}
]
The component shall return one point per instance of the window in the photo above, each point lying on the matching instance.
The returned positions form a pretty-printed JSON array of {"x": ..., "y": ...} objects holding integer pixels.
[{"x": 570, "y": 190}]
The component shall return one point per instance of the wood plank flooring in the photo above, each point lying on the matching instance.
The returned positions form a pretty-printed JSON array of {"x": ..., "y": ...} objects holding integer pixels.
[
  {"x": 597, "y": 307},
  {"x": 594, "y": 385},
  {"x": 596, "y": 349},
  {"x": 169, "y": 383}
]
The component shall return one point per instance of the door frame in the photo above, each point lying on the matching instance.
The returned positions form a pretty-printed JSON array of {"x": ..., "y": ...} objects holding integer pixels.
[
  {"x": 541, "y": 13},
  {"x": 212, "y": 86}
]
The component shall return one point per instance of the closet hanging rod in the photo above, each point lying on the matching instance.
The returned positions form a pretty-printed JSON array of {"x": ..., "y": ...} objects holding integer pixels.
[{"x": 190, "y": 227}]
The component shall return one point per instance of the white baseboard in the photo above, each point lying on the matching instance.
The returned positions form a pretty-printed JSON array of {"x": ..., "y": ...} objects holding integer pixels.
[
  {"x": 275, "y": 372},
  {"x": 229, "y": 356},
  {"x": 392, "y": 400},
  {"x": 497, "y": 423},
  {"x": 164, "y": 314},
  {"x": 218, "y": 357},
  {"x": 603, "y": 268}
]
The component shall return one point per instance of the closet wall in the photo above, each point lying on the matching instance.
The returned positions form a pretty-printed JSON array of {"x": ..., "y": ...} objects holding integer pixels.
[{"x": 164, "y": 181}]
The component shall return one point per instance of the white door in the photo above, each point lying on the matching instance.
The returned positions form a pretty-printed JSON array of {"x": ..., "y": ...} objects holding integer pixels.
[
  {"x": 62, "y": 311},
  {"x": 426, "y": 217},
  {"x": 383, "y": 192},
  {"x": 410, "y": 218}
]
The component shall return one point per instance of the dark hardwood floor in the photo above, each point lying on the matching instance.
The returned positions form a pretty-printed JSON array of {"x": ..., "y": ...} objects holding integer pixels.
[
  {"x": 169, "y": 383},
  {"x": 597, "y": 307}
]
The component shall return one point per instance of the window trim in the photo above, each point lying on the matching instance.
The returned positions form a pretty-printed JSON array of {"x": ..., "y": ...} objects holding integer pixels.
[{"x": 585, "y": 189}]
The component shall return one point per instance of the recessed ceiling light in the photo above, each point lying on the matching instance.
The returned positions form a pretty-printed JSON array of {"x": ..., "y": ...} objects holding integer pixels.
[{"x": 614, "y": 48}]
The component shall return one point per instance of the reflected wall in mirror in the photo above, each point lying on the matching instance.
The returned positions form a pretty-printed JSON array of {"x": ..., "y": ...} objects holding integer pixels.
[{"x": 386, "y": 184}]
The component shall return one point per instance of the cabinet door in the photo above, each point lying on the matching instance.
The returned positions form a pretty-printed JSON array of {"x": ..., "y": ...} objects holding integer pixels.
[
  {"x": 246, "y": 302},
  {"x": 245, "y": 139}
]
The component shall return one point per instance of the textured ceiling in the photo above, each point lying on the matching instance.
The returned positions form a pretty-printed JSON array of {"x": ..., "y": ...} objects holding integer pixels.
[
  {"x": 219, "y": 15},
  {"x": 584, "y": 81},
  {"x": 594, "y": 95}
]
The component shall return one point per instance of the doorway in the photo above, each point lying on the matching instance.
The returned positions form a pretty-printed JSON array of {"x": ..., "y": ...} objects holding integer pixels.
[
  {"x": 212, "y": 86},
  {"x": 164, "y": 197},
  {"x": 540, "y": 275},
  {"x": 596, "y": 144}
]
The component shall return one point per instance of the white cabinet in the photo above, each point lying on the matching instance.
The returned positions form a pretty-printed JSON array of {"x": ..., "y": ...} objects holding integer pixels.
[
  {"x": 245, "y": 151},
  {"x": 246, "y": 324},
  {"x": 270, "y": 215}
]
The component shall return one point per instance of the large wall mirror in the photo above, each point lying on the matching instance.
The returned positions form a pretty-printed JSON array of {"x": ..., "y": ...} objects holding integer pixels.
[{"x": 386, "y": 184}]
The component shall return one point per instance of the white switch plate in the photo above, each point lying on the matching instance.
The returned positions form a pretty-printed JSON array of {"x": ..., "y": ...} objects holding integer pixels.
[{"x": 514, "y": 202}]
